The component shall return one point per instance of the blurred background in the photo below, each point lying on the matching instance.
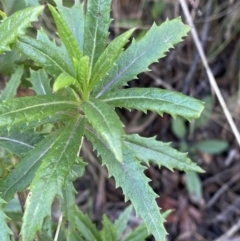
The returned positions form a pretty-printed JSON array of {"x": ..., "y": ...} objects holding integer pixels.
[{"x": 205, "y": 206}]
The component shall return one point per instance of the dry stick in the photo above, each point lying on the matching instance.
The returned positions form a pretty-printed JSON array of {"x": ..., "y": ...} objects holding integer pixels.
[
  {"x": 58, "y": 227},
  {"x": 209, "y": 72},
  {"x": 230, "y": 232}
]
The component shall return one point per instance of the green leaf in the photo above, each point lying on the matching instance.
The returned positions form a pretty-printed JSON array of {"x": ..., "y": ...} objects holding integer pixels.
[
  {"x": 140, "y": 54},
  {"x": 121, "y": 222},
  {"x": 28, "y": 109},
  {"x": 138, "y": 234},
  {"x": 178, "y": 127},
  {"x": 106, "y": 123},
  {"x": 148, "y": 149},
  {"x": 32, "y": 2},
  {"x": 68, "y": 206},
  {"x": 74, "y": 18},
  {"x": 63, "y": 80},
  {"x": 97, "y": 21},
  {"x": 17, "y": 141},
  {"x": 46, "y": 54},
  {"x": 8, "y": 62},
  {"x": 82, "y": 69},
  {"x": 50, "y": 178},
  {"x": 129, "y": 175},
  {"x": 13, "y": 26},
  {"x": 66, "y": 35},
  {"x": 10, "y": 90},
  {"x": 109, "y": 230},
  {"x": 40, "y": 82},
  {"x": 5, "y": 231},
  {"x": 156, "y": 100},
  {"x": 86, "y": 227},
  {"x": 22, "y": 175},
  {"x": 212, "y": 146},
  {"x": 206, "y": 114},
  {"x": 108, "y": 57},
  {"x": 194, "y": 186}
]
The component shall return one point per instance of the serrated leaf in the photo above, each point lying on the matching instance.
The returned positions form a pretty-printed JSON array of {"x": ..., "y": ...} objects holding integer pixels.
[
  {"x": 22, "y": 175},
  {"x": 19, "y": 142},
  {"x": 40, "y": 82},
  {"x": 106, "y": 123},
  {"x": 97, "y": 21},
  {"x": 14, "y": 26},
  {"x": 86, "y": 227},
  {"x": 108, "y": 57},
  {"x": 156, "y": 100},
  {"x": 63, "y": 80},
  {"x": 121, "y": 222},
  {"x": 129, "y": 175},
  {"x": 140, "y": 54},
  {"x": 46, "y": 54},
  {"x": 74, "y": 18},
  {"x": 28, "y": 109},
  {"x": 109, "y": 230},
  {"x": 5, "y": 231},
  {"x": 11, "y": 88},
  {"x": 66, "y": 35},
  {"x": 50, "y": 177},
  {"x": 140, "y": 233},
  {"x": 148, "y": 149}
]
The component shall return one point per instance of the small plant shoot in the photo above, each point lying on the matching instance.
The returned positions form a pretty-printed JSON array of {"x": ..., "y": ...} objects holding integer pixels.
[{"x": 78, "y": 84}]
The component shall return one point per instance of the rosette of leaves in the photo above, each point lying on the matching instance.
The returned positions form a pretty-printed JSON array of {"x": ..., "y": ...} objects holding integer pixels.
[{"x": 88, "y": 74}]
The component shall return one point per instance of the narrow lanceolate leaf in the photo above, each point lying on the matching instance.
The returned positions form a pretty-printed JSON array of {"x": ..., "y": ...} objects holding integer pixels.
[
  {"x": 121, "y": 222},
  {"x": 129, "y": 175},
  {"x": 74, "y": 18},
  {"x": 28, "y": 109},
  {"x": 138, "y": 234},
  {"x": 50, "y": 178},
  {"x": 11, "y": 88},
  {"x": 108, "y": 57},
  {"x": 148, "y": 149},
  {"x": 85, "y": 226},
  {"x": 18, "y": 142},
  {"x": 40, "y": 82},
  {"x": 140, "y": 54},
  {"x": 109, "y": 231},
  {"x": 97, "y": 22},
  {"x": 106, "y": 123},
  {"x": 66, "y": 35},
  {"x": 45, "y": 54},
  {"x": 82, "y": 68},
  {"x": 22, "y": 175},
  {"x": 157, "y": 100},
  {"x": 14, "y": 26},
  {"x": 63, "y": 80},
  {"x": 68, "y": 206},
  {"x": 5, "y": 231}
]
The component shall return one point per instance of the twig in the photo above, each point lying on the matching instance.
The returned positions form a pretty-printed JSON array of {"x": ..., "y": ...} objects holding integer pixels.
[
  {"x": 196, "y": 59},
  {"x": 230, "y": 232},
  {"x": 209, "y": 72},
  {"x": 58, "y": 228}
]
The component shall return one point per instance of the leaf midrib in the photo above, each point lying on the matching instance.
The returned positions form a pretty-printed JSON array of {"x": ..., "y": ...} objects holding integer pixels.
[{"x": 40, "y": 105}]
